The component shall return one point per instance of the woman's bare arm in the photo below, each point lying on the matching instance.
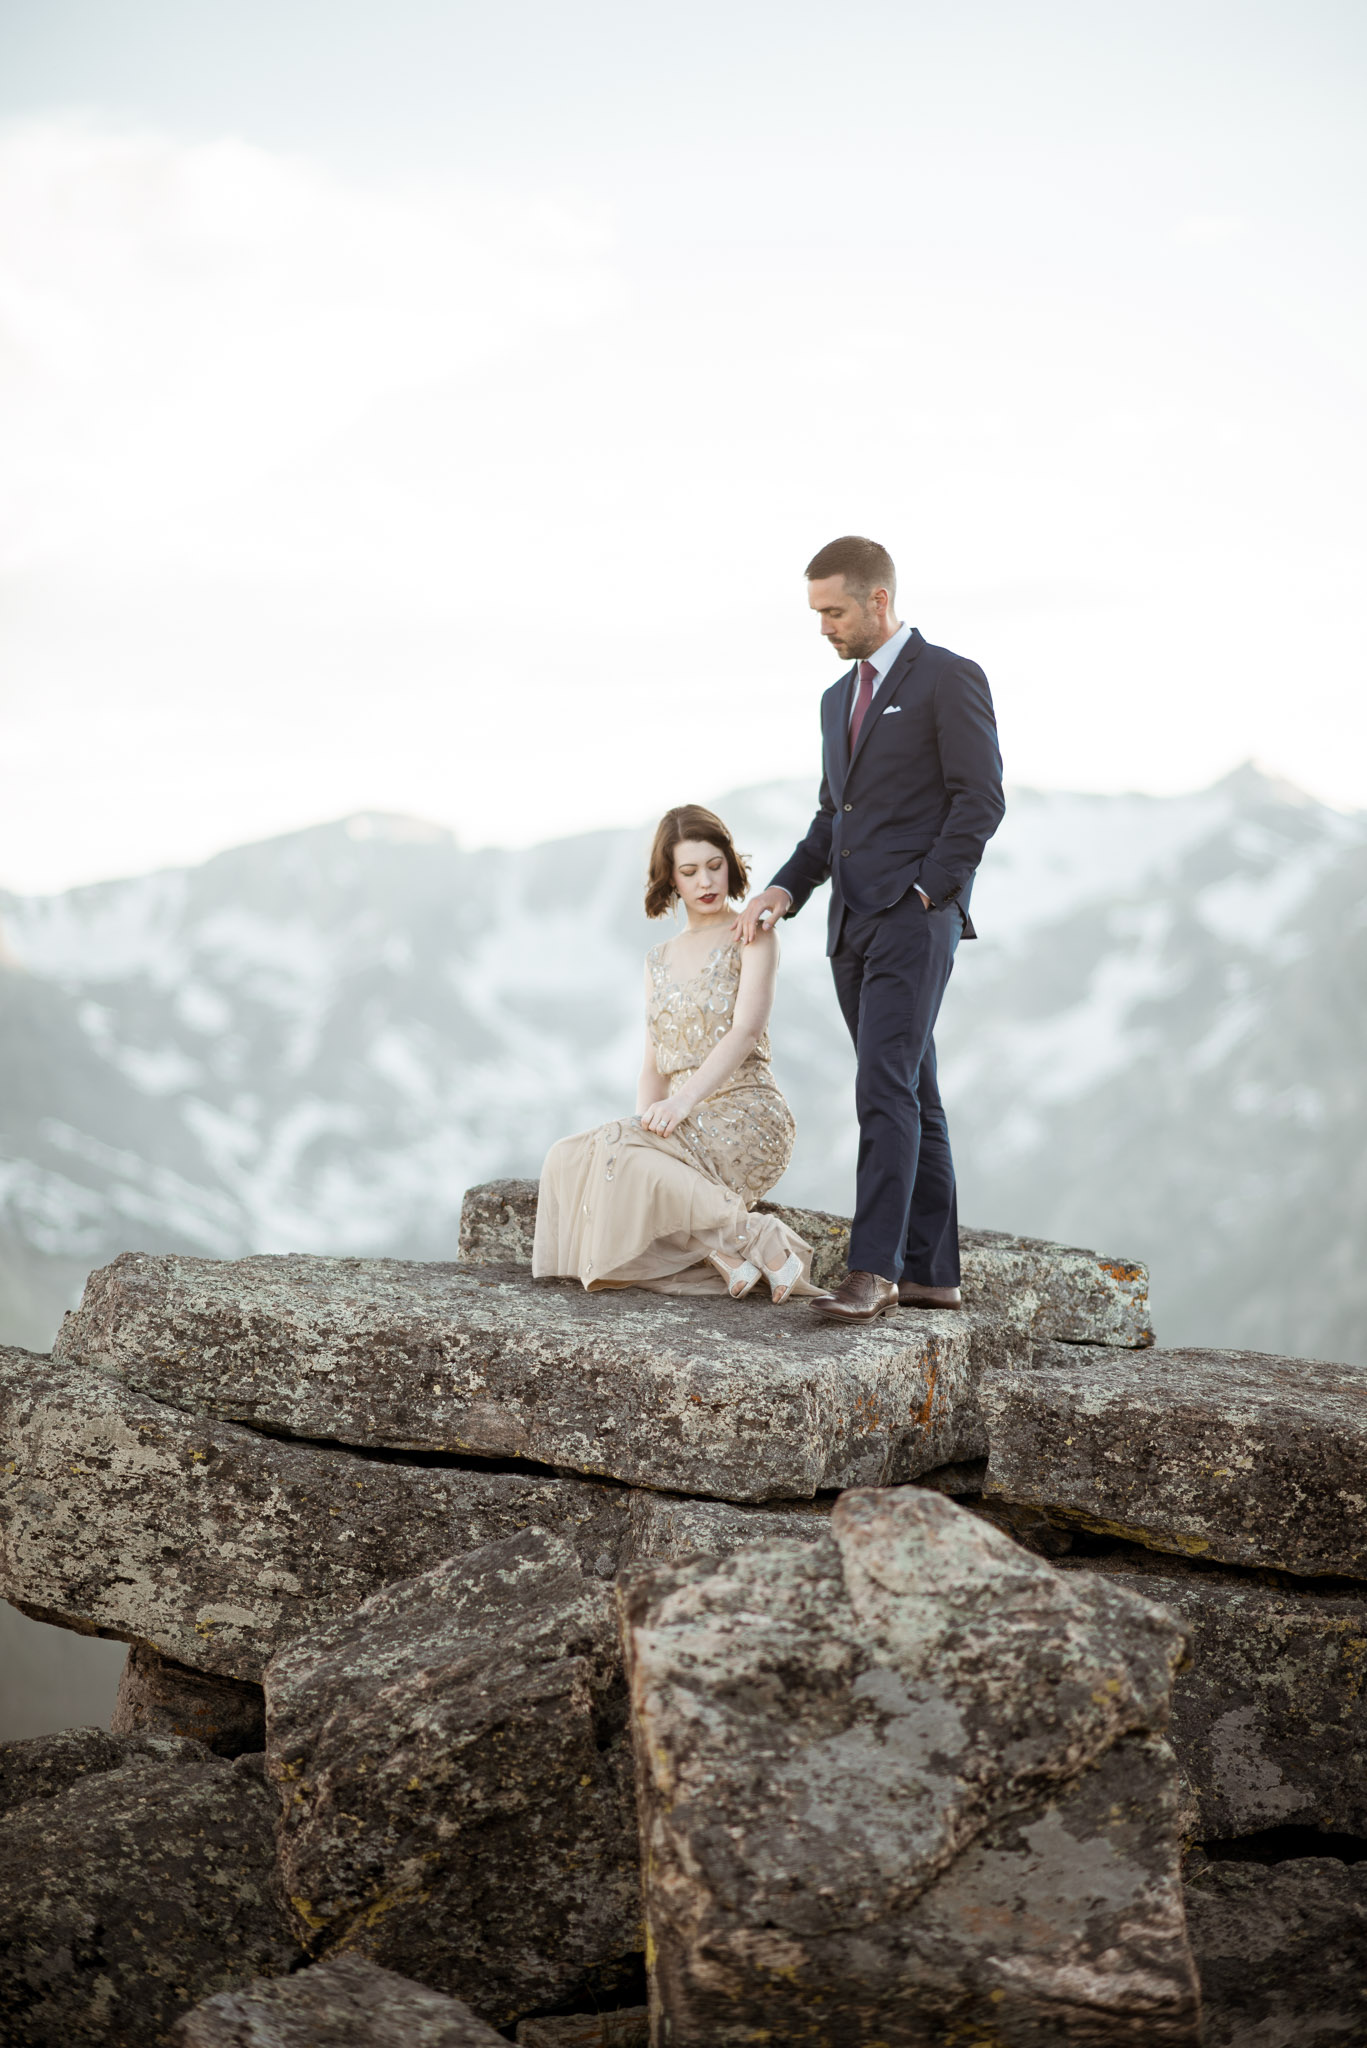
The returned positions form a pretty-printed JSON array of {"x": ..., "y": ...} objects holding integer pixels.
[{"x": 754, "y": 1001}]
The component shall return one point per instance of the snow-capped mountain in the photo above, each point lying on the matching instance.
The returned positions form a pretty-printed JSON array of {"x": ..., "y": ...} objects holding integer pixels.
[{"x": 318, "y": 1042}]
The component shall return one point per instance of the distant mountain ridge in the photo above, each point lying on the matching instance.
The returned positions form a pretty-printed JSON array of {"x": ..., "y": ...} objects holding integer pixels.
[{"x": 317, "y": 1042}]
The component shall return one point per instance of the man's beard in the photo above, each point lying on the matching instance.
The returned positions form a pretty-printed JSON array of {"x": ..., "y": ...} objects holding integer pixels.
[{"x": 859, "y": 647}]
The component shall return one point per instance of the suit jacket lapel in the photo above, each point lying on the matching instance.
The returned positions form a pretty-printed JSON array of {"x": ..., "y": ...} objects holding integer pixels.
[
  {"x": 884, "y": 692},
  {"x": 838, "y": 738}
]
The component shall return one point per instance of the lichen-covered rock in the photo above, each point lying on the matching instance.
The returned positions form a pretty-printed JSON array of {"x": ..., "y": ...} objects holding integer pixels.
[
  {"x": 42, "y": 1766},
  {"x": 345, "y": 2002},
  {"x": 457, "y": 1783},
  {"x": 904, "y": 1784},
  {"x": 133, "y": 1894},
  {"x": 664, "y": 1526},
  {"x": 740, "y": 1400},
  {"x": 629, "y": 2028},
  {"x": 1054, "y": 1290},
  {"x": 1269, "y": 1717},
  {"x": 157, "y": 1695},
  {"x": 498, "y": 1223},
  {"x": 1229, "y": 1455},
  {"x": 1282, "y": 1952},
  {"x": 214, "y": 1544},
  {"x": 1058, "y": 1291}
]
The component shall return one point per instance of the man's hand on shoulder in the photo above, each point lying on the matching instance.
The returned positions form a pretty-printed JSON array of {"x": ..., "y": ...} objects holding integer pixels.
[{"x": 761, "y": 914}]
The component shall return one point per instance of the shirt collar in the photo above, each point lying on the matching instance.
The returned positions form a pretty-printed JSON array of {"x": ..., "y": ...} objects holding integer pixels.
[{"x": 884, "y": 656}]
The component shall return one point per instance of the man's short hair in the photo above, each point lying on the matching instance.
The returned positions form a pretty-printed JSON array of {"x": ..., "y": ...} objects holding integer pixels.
[{"x": 863, "y": 564}]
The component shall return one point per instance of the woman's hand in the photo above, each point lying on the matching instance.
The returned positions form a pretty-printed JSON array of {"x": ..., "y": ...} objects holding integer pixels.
[{"x": 665, "y": 1116}]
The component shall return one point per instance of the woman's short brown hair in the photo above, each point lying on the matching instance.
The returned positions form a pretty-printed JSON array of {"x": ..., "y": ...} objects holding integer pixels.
[{"x": 689, "y": 821}]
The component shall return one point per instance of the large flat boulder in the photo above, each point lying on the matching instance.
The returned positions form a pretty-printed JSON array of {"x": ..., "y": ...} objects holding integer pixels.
[
  {"x": 1053, "y": 1290},
  {"x": 1229, "y": 1455},
  {"x": 457, "y": 1780},
  {"x": 131, "y": 1895},
  {"x": 905, "y": 1784},
  {"x": 215, "y": 1544},
  {"x": 739, "y": 1400},
  {"x": 1282, "y": 1951},
  {"x": 345, "y": 2002},
  {"x": 1269, "y": 1717}
]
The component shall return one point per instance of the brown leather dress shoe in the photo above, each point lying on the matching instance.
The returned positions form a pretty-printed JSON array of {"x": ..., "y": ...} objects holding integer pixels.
[
  {"x": 859, "y": 1298},
  {"x": 912, "y": 1294}
]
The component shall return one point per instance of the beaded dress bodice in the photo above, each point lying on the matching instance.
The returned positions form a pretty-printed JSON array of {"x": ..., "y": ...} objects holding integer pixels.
[
  {"x": 688, "y": 1018},
  {"x": 742, "y": 1134}
]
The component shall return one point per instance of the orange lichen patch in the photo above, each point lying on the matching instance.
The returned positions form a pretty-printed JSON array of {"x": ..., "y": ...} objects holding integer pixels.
[
  {"x": 866, "y": 1414},
  {"x": 1120, "y": 1270},
  {"x": 922, "y": 1415}
]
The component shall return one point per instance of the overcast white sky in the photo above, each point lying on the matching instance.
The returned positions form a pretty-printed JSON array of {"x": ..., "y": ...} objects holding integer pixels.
[{"x": 429, "y": 407}]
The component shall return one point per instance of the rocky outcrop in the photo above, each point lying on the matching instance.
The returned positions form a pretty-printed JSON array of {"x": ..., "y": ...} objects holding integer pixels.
[
  {"x": 737, "y": 1400},
  {"x": 1053, "y": 1290},
  {"x": 1269, "y": 1715},
  {"x": 905, "y": 1770},
  {"x": 344, "y": 2003},
  {"x": 133, "y": 1893},
  {"x": 1282, "y": 1951},
  {"x": 1228, "y": 1455},
  {"x": 456, "y": 1780},
  {"x": 216, "y": 1544},
  {"x": 900, "y": 1778},
  {"x": 158, "y": 1696}
]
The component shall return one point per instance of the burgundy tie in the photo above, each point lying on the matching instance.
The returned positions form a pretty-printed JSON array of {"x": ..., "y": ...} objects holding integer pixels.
[{"x": 863, "y": 699}]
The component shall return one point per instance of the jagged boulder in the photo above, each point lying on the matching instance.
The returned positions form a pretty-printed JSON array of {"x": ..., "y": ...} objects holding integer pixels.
[
  {"x": 1269, "y": 1717},
  {"x": 1230, "y": 1455},
  {"x": 132, "y": 1894},
  {"x": 457, "y": 1782},
  {"x": 228, "y": 1715},
  {"x": 738, "y": 1400},
  {"x": 905, "y": 1784},
  {"x": 1282, "y": 1951},
  {"x": 1053, "y": 1290},
  {"x": 346, "y": 2002},
  {"x": 44, "y": 1766},
  {"x": 215, "y": 1544}
]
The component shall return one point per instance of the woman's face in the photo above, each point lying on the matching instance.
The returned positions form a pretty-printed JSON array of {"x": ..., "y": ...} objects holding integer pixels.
[{"x": 700, "y": 877}]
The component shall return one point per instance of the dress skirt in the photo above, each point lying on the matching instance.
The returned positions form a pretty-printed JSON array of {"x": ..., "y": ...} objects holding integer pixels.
[{"x": 623, "y": 1207}]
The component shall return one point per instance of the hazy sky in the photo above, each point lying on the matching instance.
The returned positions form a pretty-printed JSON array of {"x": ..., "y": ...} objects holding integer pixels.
[{"x": 429, "y": 407}]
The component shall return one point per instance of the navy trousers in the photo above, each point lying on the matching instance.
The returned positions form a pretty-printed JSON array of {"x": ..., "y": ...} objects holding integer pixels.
[{"x": 891, "y": 971}]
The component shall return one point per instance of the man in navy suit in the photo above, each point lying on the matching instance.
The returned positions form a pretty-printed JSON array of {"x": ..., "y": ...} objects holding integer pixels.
[{"x": 911, "y": 791}]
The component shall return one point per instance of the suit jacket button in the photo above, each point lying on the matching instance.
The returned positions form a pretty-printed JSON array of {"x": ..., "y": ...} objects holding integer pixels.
[
  {"x": 849, "y": 807},
  {"x": 844, "y": 853}
]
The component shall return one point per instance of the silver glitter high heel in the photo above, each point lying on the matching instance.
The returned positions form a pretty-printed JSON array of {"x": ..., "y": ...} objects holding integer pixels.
[
  {"x": 739, "y": 1278},
  {"x": 785, "y": 1277}
]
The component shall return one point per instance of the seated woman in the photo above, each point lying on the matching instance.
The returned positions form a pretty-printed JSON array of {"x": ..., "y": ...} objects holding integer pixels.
[{"x": 665, "y": 1200}]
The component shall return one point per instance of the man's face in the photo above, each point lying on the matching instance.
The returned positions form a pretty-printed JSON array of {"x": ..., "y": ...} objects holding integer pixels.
[{"x": 855, "y": 626}]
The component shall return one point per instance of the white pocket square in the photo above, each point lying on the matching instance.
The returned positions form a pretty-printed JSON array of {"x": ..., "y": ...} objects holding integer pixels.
[{"x": 888, "y": 709}]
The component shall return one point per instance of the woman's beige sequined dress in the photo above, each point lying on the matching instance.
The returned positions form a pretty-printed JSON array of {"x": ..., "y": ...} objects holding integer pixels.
[{"x": 623, "y": 1207}]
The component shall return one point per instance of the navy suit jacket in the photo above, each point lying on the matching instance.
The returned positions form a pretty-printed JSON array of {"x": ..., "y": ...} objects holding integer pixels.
[{"x": 918, "y": 800}]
